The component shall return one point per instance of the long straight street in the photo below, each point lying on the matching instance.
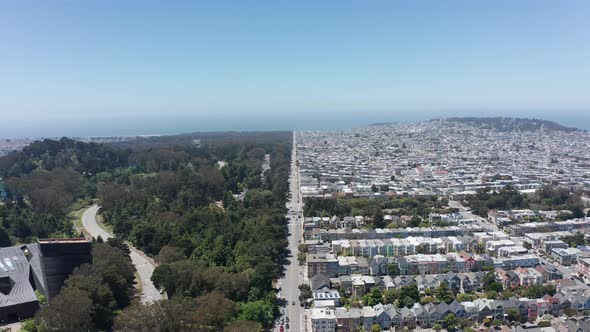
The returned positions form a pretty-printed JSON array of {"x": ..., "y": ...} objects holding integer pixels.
[{"x": 293, "y": 318}]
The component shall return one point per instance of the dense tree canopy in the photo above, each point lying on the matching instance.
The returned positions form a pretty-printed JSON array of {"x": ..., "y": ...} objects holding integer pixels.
[
  {"x": 92, "y": 294},
  {"x": 547, "y": 198},
  {"x": 198, "y": 203},
  {"x": 419, "y": 206}
]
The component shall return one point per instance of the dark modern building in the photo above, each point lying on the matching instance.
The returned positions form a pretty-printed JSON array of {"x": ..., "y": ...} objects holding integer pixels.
[{"x": 42, "y": 266}]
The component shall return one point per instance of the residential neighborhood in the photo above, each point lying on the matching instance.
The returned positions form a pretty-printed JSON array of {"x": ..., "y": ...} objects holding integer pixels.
[{"x": 465, "y": 222}]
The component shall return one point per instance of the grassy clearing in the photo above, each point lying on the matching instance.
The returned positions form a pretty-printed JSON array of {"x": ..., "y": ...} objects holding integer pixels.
[
  {"x": 76, "y": 211},
  {"x": 106, "y": 227},
  {"x": 75, "y": 215}
]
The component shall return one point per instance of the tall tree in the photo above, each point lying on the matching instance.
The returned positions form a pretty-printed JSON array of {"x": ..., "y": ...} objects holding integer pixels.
[
  {"x": 378, "y": 218},
  {"x": 70, "y": 310},
  {"x": 103, "y": 303}
]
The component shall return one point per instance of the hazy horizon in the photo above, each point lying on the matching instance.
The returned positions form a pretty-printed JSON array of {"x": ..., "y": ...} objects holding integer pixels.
[
  {"x": 120, "y": 126},
  {"x": 88, "y": 68}
]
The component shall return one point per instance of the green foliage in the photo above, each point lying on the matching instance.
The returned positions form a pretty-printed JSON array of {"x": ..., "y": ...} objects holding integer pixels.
[
  {"x": 577, "y": 212},
  {"x": 169, "y": 254},
  {"x": 574, "y": 240},
  {"x": 547, "y": 198},
  {"x": 103, "y": 302},
  {"x": 443, "y": 293},
  {"x": 374, "y": 297},
  {"x": 153, "y": 316},
  {"x": 243, "y": 326},
  {"x": 28, "y": 325},
  {"x": 408, "y": 295},
  {"x": 570, "y": 312},
  {"x": 484, "y": 201},
  {"x": 451, "y": 322},
  {"x": 506, "y": 294},
  {"x": 24, "y": 224},
  {"x": 494, "y": 287},
  {"x": 40, "y": 297},
  {"x": 378, "y": 221},
  {"x": 427, "y": 299},
  {"x": 544, "y": 323},
  {"x": 556, "y": 198},
  {"x": 538, "y": 291},
  {"x": 194, "y": 278},
  {"x": 305, "y": 292},
  {"x": 390, "y": 296},
  {"x": 489, "y": 278},
  {"x": 465, "y": 324},
  {"x": 93, "y": 293},
  {"x": 213, "y": 311},
  {"x": 513, "y": 315},
  {"x": 420, "y": 206},
  {"x": 503, "y": 124},
  {"x": 492, "y": 295},
  {"x": 70, "y": 310},
  {"x": 210, "y": 312},
  {"x": 465, "y": 297},
  {"x": 393, "y": 269},
  {"x": 261, "y": 311},
  {"x": 168, "y": 197},
  {"x": 47, "y": 191},
  {"x": 116, "y": 270},
  {"x": 376, "y": 328},
  {"x": 302, "y": 253},
  {"x": 5, "y": 240},
  {"x": 301, "y": 258}
]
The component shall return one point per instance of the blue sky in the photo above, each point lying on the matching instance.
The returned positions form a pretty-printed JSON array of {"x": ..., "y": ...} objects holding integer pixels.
[{"x": 127, "y": 67}]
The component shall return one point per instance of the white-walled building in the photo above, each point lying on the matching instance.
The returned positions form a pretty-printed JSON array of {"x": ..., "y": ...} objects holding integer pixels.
[{"x": 322, "y": 320}]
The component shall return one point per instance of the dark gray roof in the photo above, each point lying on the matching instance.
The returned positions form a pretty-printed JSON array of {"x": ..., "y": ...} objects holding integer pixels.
[
  {"x": 319, "y": 281},
  {"x": 15, "y": 268},
  {"x": 41, "y": 266}
]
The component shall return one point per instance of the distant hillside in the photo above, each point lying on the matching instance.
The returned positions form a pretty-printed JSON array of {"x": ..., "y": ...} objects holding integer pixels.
[{"x": 510, "y": 124}]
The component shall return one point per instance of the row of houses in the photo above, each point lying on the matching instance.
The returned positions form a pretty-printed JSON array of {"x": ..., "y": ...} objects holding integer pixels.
[
  {"x": 460, "y": 262},
  {"x": 397, "y": 247},
  {"x": 550, "y": 226},
  {"x": 313, "y": 232},
  {"x": 426, "y": 245},
  {"x": 390, "y": 317},
  {"x": 330, "y": 265},
  {"x": 509, "y": 217},
  {"x": 358, "y": 285},
  {"x": 350, "y": 222},
  {"x": 495, "y": 243}
]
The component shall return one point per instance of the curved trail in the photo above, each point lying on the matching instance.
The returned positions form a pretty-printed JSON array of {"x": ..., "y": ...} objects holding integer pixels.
[{"x": 144, "y": 266}]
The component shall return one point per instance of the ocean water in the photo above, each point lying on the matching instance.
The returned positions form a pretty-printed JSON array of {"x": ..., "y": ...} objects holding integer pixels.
[{"x": 102, "y": 125}]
